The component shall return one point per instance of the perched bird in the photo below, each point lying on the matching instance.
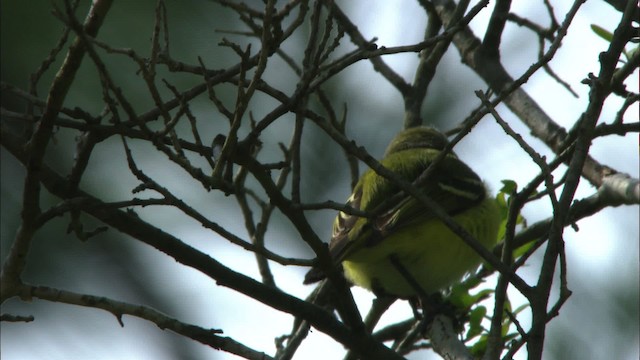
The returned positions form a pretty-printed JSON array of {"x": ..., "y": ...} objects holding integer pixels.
[{"x": 404, "y": 250}]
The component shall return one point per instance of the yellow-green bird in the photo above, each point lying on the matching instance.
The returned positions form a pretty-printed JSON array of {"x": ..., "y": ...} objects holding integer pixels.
[{"x": 407, "y": 251}]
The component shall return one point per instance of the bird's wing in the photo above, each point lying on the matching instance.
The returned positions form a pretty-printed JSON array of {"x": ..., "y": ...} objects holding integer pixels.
[{"x": 453, "y": 185}]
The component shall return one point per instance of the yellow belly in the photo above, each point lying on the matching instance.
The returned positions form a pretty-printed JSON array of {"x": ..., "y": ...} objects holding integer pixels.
[{"x": 433, "y": 255}]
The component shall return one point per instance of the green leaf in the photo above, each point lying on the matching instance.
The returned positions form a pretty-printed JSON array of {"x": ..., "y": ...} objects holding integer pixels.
[
  {"x": 501, "y": 199},
  {"x": 475, "y": 322},
  {"x": 502, "y": 229},
  {"x": 523, "y": 249},
  {"x": 478, "y": 349},
  {"x": 462, "y": 299},
  {"x": 520, "y": 308},
  {"x": 509, "y": 187},
  {"x": 605, "y": 34}
]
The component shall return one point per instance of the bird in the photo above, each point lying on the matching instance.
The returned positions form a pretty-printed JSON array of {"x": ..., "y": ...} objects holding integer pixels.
[{"x": 402, "y": 249}]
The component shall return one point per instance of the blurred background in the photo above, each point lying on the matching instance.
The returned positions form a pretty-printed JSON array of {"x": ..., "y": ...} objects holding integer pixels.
[{"x": 600, "y": 320}]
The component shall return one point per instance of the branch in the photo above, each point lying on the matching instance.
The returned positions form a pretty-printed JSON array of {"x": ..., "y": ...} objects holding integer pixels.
[
  {"x": 162, "y": 321},
  {"x": 16, "y": 260},
  {"x": 516, "y": 99},
  {"x": 445, "y": 341},
  {"x": 188, "y": 256},
  {"x": 356, "y": 37}
]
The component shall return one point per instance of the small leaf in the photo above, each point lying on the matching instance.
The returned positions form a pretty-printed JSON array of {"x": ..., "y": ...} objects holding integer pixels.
[
  {"x": 605, "y": 34},
  {"x": 475, "y": 322},
  {"x": 501, "y": 199},
  {"x": 502, "y": 229},
  {"x": 523, "y": 249},
  {"x": 509, "y": 187},
  {"x": 460, "y": 297},
  {"x": 520, "y": 309},
  {"x": 478, "y": 349}
]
